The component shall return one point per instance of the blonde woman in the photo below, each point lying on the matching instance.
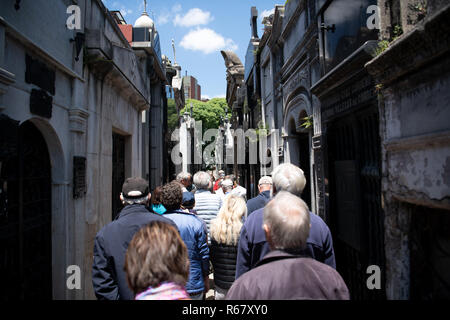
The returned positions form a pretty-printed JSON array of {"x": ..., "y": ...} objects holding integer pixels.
[{"x": 225, "y": 230}]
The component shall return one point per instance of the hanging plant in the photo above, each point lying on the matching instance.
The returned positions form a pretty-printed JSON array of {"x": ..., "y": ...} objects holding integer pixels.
[{"x": 307, "y": 122}]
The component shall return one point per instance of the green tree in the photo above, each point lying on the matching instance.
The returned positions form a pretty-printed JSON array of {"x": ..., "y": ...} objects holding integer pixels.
[
  {"x": 208, "y": 112},
  {"x": 172, "y": 115}
]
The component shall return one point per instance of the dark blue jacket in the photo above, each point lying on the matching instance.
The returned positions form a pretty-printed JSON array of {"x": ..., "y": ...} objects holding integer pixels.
[
  {"x": 253, "y": 245},
  {"x": 193, "y": 233},
  {"x": 111, "y": 244},
  {"x": 258, "y": 202}
]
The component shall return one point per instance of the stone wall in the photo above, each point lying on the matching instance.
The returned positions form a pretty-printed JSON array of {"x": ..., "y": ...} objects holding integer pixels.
[
  {"x": 92, "y": 99},
  {"x": 413, "y": 75}
]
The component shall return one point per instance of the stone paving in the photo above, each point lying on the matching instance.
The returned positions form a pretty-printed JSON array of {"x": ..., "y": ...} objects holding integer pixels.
[{"x": 210, "y": 293}]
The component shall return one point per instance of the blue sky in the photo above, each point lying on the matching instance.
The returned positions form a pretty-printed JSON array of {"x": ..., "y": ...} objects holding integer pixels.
[{"x": 200, "y": 29}]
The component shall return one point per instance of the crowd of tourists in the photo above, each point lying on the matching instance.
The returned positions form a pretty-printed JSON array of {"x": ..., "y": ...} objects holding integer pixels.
[{"x": 164, "y": 245}]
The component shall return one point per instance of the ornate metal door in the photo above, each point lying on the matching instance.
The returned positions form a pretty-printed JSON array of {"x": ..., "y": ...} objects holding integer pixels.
[
  {"x": 304, "y": 163},
  {"x": 355, "y": 199},
  {"x": 25, "y": 225}
]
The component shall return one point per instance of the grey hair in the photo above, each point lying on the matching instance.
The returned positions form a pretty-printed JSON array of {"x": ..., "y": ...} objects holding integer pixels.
[
  {"x": 130, "y": 201},
  {"x": 202, "y": 180},
  {"x": 290, "y": 178},
  {"x": 288, "y": 220},
  {"x": 183, "y": 176},
  {"x": 227, "y": 188}
]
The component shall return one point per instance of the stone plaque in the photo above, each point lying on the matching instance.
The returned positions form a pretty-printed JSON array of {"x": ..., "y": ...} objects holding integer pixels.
[
  {"x": 79, "y": 177},
  {"x": 359, "y": 93}
]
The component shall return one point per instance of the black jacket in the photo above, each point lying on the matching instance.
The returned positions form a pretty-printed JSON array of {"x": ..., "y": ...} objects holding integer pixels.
[
  {"x": 223, "y": 258},
  {"x": 111, "y": 244},
  {"x": 285, "y": 276},
  {"x": 258, "y": 202}
]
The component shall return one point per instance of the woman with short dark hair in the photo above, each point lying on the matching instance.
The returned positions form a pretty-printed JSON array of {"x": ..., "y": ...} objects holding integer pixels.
[
  {"x": 157, "y": 206},
  {"x": 157, "y": 263}
]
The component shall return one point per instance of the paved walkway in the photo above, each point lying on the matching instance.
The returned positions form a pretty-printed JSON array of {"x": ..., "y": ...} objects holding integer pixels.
[{"x": 210, "y": 293}]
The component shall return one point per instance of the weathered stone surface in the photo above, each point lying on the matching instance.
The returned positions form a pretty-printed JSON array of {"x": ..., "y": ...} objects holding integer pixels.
[{"x": 413, "y": 77}]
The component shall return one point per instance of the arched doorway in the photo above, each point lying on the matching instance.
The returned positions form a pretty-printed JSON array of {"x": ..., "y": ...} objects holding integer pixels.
[{"x": 25, "y": 224}]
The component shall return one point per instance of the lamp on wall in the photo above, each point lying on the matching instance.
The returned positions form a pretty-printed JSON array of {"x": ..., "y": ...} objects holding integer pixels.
[
  {"x": 79, "y": 42},
  {"x": 17, "y": 5}
]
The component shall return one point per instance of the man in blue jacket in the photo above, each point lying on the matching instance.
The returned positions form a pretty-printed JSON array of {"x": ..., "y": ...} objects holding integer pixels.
[
  {"x": 111, "y": 242},
  {"x": 253, "y": 245},
  {"x": 193, "y": 233},
  {"x": 258, "y": 202}
]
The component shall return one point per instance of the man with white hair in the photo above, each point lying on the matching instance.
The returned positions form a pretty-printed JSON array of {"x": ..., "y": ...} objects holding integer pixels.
[
  {"x": 253, "y": 245},
  {"x": 258, "y": 202},
  {"x": 227, "y": 187},
  {"x": 285, "y": 273},
  {"x": 185, "y": 178},
  {"x": 207, "y": 204}
]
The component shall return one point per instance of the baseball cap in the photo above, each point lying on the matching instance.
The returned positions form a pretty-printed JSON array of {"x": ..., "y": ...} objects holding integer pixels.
[
  {"x": 135, "y": 188},
  {"x": 265, "y": 180}
]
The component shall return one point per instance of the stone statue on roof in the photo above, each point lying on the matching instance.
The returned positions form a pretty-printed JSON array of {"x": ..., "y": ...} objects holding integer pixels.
[
  {"x": 235, "y": 74},
  {"x": 233, "y": 63}
]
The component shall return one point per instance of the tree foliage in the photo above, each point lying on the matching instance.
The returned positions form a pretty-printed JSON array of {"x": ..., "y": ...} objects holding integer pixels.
[
  {"x": 172, "y": 115},
  {"x": 209, "y": 112}
]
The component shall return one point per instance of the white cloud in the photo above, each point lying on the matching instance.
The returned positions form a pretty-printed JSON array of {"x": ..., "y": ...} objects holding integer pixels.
[
  {"x": 176, "y": 8},
  {"x": 221, "y": 96},
  {"x": 207, "y": 41},
  {"x": 163, "y": 19},
  {"x": 193, "y": 17},
  {"x": 166, "y": 15},
  {"x": 205, "y": 96},
  {"x": 124, "y": 12},
  {"x": 266, "y": 13}
]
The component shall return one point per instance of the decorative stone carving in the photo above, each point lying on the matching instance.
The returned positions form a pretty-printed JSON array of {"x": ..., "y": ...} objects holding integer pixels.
[
  {"x": 235, "y": 74},
  {"x": 300, "y": 78},
  {"x": 77, "y": 120}
]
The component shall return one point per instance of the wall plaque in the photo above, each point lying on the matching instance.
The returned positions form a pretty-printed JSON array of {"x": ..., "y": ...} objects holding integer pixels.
[{"x": 79, "y": 177}]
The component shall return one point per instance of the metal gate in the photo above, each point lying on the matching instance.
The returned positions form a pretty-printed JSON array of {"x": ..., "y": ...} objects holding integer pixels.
[
  {"x": 304, "y": 164},
  {"x": 355, "y": 198},
  {"x": 25, "y": 225},
  {"x": 118, "y": 172}
]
